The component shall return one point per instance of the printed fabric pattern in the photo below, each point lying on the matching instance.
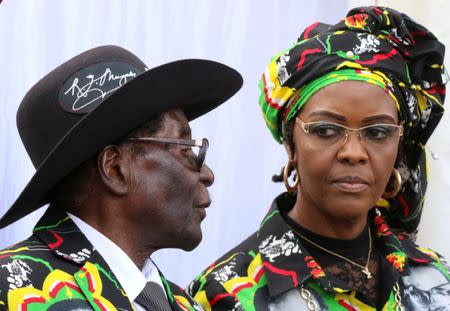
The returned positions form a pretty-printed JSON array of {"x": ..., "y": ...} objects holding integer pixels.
[
  {"x": 266, "y": 271},
  {"x": 58, "y": 269}
]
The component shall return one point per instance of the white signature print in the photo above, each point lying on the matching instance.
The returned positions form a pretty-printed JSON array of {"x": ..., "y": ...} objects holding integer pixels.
[{"x": 83, "y": 91}]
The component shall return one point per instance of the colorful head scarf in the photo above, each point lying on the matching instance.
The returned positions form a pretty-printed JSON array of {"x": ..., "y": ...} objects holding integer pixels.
[
  {"x": 302, "y": 96},
  {"x": 380, "y": 46}
]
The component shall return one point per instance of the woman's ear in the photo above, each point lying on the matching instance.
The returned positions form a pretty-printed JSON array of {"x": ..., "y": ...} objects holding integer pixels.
[
  {"x": 290, "y": 150},
  {"x": 400, "y": 153},
  {"x": 113, "y": 168}
]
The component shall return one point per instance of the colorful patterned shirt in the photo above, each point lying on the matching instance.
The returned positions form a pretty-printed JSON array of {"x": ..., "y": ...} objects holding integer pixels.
[
  {"x": 57, "y": 268},
  {"x": 272, "y": 270}
]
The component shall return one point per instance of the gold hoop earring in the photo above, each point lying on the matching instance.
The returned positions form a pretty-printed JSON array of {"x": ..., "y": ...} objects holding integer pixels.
[
  {"x": 289, "y": 188},
  {"x": 397, "y": 185}
]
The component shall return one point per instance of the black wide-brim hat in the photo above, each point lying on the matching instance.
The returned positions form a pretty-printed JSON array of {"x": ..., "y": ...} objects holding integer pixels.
[{"x": 98, "y": 97}]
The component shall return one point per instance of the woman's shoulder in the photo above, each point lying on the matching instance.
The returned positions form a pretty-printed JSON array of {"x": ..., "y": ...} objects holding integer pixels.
[
  {"x": 436, "y": 256},
  {"x": 232, "y": 262},
  {"x": 215, "y": 280},
  {"x": 426, "y": 283},
  {"x": 402, "y": 251},
  {"x": 424, "y": 259},
  {"x": 411, "y": 245}
]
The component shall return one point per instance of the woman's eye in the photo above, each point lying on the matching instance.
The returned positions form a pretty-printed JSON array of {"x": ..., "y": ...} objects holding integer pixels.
[
  {"x": 326, "y": 130},
  {"x": 377, "y": 132}
]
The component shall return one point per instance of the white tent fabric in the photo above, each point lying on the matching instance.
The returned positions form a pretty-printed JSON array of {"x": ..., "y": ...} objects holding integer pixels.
[{"x": 36, "y": 36}]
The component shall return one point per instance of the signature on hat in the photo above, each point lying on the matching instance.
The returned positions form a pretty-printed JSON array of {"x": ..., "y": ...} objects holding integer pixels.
[{"x": 96, "y": 87}]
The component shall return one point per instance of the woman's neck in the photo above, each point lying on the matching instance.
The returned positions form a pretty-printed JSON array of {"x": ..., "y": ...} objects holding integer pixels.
[{"x": 322, "y": 223}]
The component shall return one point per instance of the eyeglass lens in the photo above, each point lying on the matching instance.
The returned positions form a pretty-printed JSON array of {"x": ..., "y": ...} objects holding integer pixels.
[
  {"x": 202, "y": 152},
  {"x": 377, "y": 135}
]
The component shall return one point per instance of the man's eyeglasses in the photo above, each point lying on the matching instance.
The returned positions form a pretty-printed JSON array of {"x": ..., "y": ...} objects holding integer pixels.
[
  {"x": 198, "y": 146},
  {"x": 325, "y": 134}
]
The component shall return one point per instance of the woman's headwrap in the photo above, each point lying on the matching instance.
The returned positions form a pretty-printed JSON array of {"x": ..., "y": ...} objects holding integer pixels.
[{"x": 384, "y": 45}]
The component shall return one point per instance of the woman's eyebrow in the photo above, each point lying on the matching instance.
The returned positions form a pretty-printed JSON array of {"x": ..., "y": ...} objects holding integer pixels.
[
  {"x": 380, "y": 117},
  {"x": 327, "y": 114}
]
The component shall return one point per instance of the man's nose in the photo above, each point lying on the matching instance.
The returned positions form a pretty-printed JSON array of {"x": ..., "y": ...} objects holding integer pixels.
[{"x": 206, "y": 175}]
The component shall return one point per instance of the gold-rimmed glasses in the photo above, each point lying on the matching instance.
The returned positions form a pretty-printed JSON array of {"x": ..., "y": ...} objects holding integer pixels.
[{"x": 326, "y": 134}]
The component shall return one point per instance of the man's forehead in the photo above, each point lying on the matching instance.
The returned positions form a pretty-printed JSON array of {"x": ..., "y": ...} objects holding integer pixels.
[
  {"x": 185, "y": 129},
  {"x": 175, "y": 121}
]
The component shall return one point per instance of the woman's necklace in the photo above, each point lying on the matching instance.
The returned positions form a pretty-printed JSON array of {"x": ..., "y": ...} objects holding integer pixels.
[{"x": 364, "y": 269}]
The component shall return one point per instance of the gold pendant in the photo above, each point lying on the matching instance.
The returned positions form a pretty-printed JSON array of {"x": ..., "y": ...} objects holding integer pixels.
[{"x": 367, "y": 273}]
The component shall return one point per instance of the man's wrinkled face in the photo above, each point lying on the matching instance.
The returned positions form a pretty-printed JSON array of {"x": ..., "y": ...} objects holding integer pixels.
[{"x": 168, "y": 192}]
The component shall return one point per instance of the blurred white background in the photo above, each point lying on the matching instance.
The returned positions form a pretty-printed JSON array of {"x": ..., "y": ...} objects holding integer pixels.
[{"x": 37, "y": 36}]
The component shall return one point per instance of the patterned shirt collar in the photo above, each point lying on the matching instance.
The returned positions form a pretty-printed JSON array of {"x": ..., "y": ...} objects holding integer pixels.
[
  {"x": 282, "y": 251},
  {"x": 128, "y": 274},
  {"x": 63, "y": 237}
]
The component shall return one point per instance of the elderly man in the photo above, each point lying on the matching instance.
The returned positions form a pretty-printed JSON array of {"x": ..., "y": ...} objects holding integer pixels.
[{"x": 116, "y": 162}]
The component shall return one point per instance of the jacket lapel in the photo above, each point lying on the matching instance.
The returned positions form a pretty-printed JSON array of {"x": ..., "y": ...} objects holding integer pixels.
[
  {"x": 90, "y": 271},
  {"x": 179, "y": 300},
  {"x": 287, "y": 264}
]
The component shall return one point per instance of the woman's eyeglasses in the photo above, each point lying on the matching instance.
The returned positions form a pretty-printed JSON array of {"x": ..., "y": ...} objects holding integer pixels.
[
  {"x": 198, "y": 146},
  {"x": 325, "y": 134}
]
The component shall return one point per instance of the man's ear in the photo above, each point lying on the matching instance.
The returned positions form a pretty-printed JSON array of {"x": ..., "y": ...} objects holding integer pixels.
[
  {"x": 290, "y": 150},
  {"x": 114, "y": 169}
]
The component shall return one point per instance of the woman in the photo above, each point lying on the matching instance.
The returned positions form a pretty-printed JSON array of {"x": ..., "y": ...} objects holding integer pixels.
[{"x": 354, "y": 105}]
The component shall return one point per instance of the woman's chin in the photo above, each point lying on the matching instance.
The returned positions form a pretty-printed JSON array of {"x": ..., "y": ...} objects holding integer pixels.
[{"x": 350, "y": 210}]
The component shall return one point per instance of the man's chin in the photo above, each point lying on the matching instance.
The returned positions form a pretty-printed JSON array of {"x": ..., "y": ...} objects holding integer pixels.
[{"x": 190, "y": 244}]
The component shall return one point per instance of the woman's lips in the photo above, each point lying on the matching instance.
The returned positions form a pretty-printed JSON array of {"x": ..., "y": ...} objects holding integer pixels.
[{"x": 351, "y": 184}]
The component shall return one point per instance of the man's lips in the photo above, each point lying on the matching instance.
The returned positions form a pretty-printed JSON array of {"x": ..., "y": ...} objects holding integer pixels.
[
  {"x": 351, "y": 184},
  {"x": 201, "y": 212},
  {"x": 201, "y": 209}
]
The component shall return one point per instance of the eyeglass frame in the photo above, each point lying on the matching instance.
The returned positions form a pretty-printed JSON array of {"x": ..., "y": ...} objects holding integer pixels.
[
  {"x": 304, "y": 124},
  {"x": 202, "y": 143}
]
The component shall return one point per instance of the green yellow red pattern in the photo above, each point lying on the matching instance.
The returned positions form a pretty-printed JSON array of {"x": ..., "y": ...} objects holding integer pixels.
[
  {"x": 267, "y": 269},
  {"x": 59, "y": 286},
  {"x": 58, "y": 269},
  {"x": 304, "y": 94}
]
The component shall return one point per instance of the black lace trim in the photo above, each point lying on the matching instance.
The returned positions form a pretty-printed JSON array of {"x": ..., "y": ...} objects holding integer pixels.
[{"x": 341, "y": 273}]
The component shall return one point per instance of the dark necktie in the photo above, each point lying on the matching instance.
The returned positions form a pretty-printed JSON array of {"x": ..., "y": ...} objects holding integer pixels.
[{"x": 153, "y": 298}]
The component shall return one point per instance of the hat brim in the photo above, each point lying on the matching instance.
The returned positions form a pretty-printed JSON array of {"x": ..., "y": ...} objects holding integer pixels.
[{"x": 196, "y": 86}]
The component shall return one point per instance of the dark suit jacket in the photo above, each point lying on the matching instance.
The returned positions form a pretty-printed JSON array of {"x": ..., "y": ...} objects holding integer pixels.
[{"x": 58, "y": 269}]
